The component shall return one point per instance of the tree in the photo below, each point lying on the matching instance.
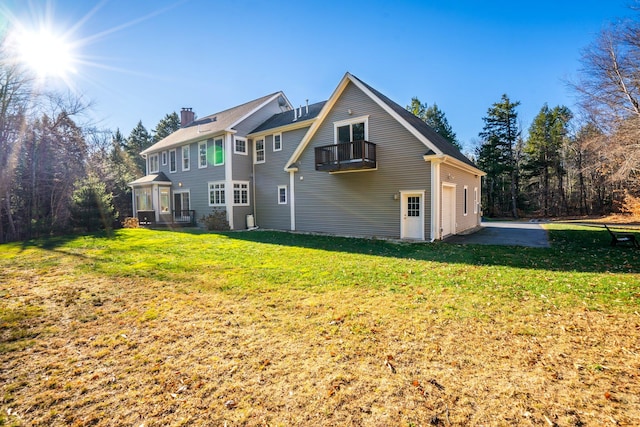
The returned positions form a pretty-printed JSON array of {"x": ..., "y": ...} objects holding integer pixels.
[
  {"x": 169, "y": 124},
  {"x": 139, "y": 139},
  {"x": 435, "y": 118},
  {"x": 544, "y": 158},
  {"x": 92, "y": 207},
  {"x": 498, "y": 157}
]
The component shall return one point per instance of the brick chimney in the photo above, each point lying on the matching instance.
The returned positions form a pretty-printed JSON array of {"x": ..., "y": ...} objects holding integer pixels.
[{"x": 186, "y": 116}]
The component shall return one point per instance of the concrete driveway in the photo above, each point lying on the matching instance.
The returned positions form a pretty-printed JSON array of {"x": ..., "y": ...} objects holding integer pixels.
[{"x": 510, "y": 233}]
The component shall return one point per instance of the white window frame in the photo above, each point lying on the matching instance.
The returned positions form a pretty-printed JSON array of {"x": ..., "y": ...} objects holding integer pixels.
[
  {"x": 217, "y": 187},
  {"x": 349, "y": 122},
  {"x": 282, "y": 188},
  {"x": 235, "y": 145},
  {"x": 186, "y": 158},
  {"x": 164, "y": 158},
  {"x": 242, "y": 186},
  {"x": 218, "y": 145},
  {"x": 174, "y": 168},
  {"x": 465, "y": 202},
  {"x": 201, "y": 145},
  {"x": 255, "y": 151},
  {"x": 475, "y": 200},
  {"x": 279, "y": 147},
  {"x": 154, "y": 163}
]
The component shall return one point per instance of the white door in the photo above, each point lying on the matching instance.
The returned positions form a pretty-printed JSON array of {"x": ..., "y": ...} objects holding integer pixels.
[
  {"x": 412, "y": 226},
  {"x": 448, "y": 210}
]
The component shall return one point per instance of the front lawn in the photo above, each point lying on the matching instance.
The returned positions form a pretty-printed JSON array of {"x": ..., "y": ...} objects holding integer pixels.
[{"x": 163, "y": 328}]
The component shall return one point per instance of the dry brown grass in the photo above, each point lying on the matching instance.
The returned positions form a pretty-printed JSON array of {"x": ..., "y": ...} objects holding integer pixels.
[{"x": 135, "y": 351}]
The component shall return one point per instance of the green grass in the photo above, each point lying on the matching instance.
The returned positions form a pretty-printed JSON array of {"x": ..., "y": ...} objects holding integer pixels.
[{"x": 162, "y": 328}]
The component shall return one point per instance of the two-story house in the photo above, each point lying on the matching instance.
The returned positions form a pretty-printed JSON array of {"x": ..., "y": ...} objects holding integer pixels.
[{"x": 357, "y": 164}]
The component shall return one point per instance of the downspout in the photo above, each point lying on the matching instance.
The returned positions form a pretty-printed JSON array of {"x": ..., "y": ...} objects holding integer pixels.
[
  {"x": 228, "y": 181},
  {"x": 255, "y": 195}
]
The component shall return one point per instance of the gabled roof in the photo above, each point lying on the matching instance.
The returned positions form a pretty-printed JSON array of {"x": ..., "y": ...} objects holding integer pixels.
[
  {"x": 156, "y": 178},
  {"x": 287, "y": 118},
  {"x": 213, "y": 124},
  {"x": 435, "y": 143}
]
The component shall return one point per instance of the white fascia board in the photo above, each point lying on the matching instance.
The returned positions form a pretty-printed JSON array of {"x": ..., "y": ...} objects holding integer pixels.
[
  {"x": 454, "y": 162},
  {"x": 319, "y": 120},
  {"x": 283, "y": 128}
]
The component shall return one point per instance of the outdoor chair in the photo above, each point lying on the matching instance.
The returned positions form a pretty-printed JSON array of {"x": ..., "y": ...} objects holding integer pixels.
[{"x": 622, "y": 238}]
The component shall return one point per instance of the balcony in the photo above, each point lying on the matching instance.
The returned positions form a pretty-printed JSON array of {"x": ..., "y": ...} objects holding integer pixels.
[{"x": 355, "y": 155}]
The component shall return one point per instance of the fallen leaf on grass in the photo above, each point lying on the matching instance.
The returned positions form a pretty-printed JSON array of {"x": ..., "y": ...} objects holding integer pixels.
[
  {"x": 389, "y": 365},
  {"x": 230, "y": 404}
]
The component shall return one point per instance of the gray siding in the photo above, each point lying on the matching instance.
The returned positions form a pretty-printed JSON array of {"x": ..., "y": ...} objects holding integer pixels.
[
  {"x": 257, "y": 118},
  {"x": 271, "y": 174},
  {"x": 362, "y": 203},
  {"x": 449, "y": 173}
]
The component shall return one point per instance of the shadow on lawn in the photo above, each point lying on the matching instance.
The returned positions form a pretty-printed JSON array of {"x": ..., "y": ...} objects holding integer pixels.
[{"x": 581, "y": 250}]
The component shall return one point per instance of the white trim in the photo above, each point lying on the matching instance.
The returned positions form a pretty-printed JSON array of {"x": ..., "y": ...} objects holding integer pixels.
[
  {"x": 206, "y": 161},
  {"x": 164, "y": 158},
  {"x": 454, "y": 162},
  {"x": 175, "y": 161},
  {"x": 453, "y": 208},
  {"x": 275, "y": 96},
  {"x": 157, "y": 163},
  {"x": 222, "y": 152},
  {"x": 407, "y": 193},
  {"x": 284, "y": 128},
  {"x": 475, "y": 200},
  {"x": 354, "y": 170},
  {"x": 183, "y": 158},
  {"x": 233, "y": 188},
  {"x": 286, "y": 195},
  {"x": 209, "y": 189},
  {"x": 435, "y": 199},
  {"x": 350, "y": 121},
  {"x": 235, "y": 151},
  {"x": 185, "y": 191},
  {"x": 274, "y": 141},
  {"x": 228, "y": 175},
  {"x": 292, "y": 199},
  {"x": 255, "y": 151}
]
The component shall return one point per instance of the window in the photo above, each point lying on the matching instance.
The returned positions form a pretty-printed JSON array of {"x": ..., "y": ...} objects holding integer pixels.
[
  {"x": 153, "y": 163},
  {"x": 164, "y": 200},
  {"x": 413, "y": 206},
  {"x": 240, "y": 146},
  {"x": 173, "y": 162},
  {"x": 352, "y": 130},
  {"x": 218, "y": 152},
  {"x": 143, "y": 199},
  {"x": 186, "y": 165},
  {"x": 475, "y": 200},
  {"x": 216, "y": 194},
  {"x": 466, "y": 191},
  {"x": 202, "y": 154},
  {"x": 259, "y": 148},
  {"x": 241, "y": 193},
  {"x": 164, "y": 158},
  {"x": 282, "y": 194},
  {"x": 277, "y": 142}
]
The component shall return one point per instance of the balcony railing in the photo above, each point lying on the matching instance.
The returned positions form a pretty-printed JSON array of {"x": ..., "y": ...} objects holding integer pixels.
[
  {"x": 346, "y": 156},
  {"x": 185, "y": 217}
]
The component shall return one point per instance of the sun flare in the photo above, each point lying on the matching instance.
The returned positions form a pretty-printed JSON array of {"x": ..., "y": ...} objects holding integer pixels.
[{"x": 45, "y": 53}]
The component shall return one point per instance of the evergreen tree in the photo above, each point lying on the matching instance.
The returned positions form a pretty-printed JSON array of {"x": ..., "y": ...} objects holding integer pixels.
[
  {"x": 435, "y": 118},
  {"x": 544, "y": 158},
  {"x": 138, "y": 140},
  {"x": 92, "y": 207},
  {"x": 498, "y": 157},
  {"x": 169, "y": 124}
]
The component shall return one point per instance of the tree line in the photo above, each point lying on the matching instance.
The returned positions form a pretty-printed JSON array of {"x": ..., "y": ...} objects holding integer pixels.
[{"x": 58, "y": 174}]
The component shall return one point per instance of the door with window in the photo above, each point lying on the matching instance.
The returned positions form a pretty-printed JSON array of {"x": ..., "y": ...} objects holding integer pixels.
[
  {"x": 448, "y": 210},
  {"x": 412, "y": 219},
  {"x": 181, "y": 206}
]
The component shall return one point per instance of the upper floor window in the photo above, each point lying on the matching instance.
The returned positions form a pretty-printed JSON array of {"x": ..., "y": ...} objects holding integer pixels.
[
  {"x": 240, "y": 146},
  {"x": 164, "y": 158},
  {"x": 173, "y": 161},
  {"x": 186, "y": 164},
  {"x": 277, "y": 142},
  {"x": 356, "y": 129},
  {"x": 259, "y": 150},
  {"x": 154, "y": 165},
  {"x": 202, "y": 154},
  {"x": 475, "y": 200},
  {"x": 466, "y": 194},
  {"x": 218, "y": 151}
]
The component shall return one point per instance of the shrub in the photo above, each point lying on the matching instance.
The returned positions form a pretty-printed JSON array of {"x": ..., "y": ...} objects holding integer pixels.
[
  {"x": 92, "y": 207},
  {"x": 631, "y": 205},
  {"x": 216, "y": 221}
]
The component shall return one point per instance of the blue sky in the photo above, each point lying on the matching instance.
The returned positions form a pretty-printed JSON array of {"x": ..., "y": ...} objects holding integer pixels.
[{"x": 143, "y": 59}]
